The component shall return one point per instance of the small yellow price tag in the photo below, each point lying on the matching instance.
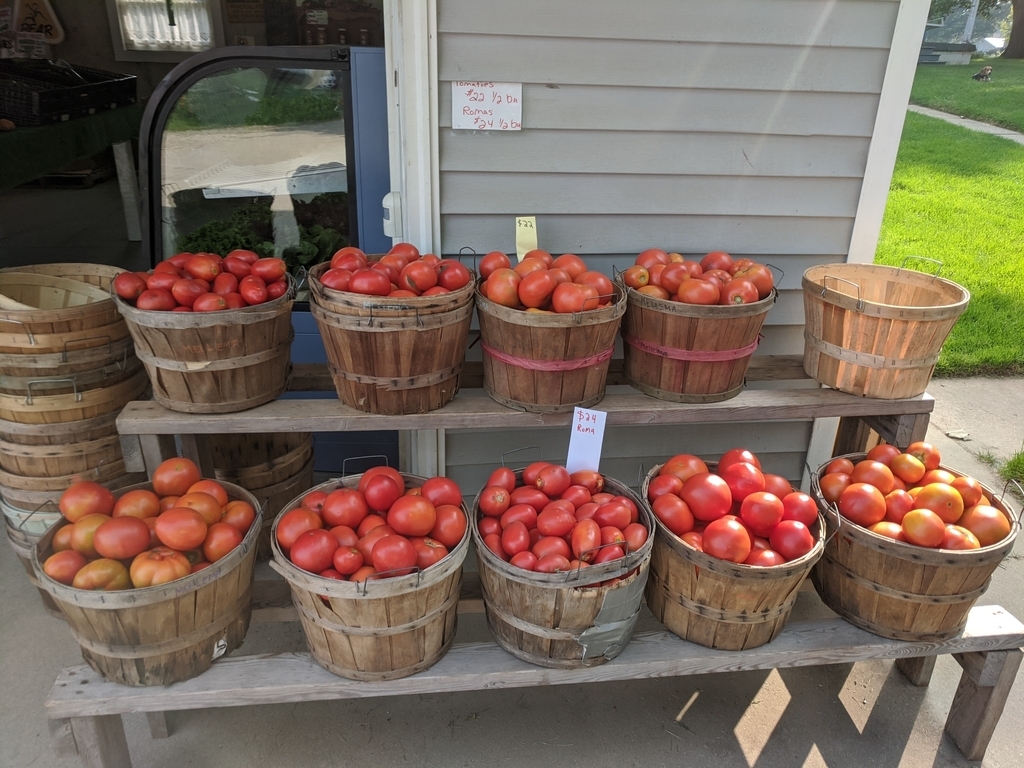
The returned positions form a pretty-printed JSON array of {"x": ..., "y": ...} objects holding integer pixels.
[{"x": 526, "y": 235}]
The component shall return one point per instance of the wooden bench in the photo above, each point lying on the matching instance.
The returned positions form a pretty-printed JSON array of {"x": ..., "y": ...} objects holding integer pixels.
[{"x": 84, "y": 709}]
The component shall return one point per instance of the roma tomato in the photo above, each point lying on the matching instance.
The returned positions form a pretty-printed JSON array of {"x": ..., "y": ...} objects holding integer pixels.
[
  {"x": 494, "y": 501},
  {"x": 412, "y": 516},
  {"x": 203, "y": 267},
  {"x": 129, "y": 286},
  {"x": 862, "y": 504},
  {"x": 503, "y": 477},
  {"x": 86, "y": 498},
  {"x": 102, "y": 575},
  {"x": 547, "y": 545},
  {"x": 489, "y": 525},
  {"x": 175, "y": 476},
  {"x": 393, "y": 555},
  {"x": 493, "y": 543},
  {"x": 525, "y": 560},
  {"x": 586, "y": 537},
  {"x": 613, "y": 513},
  {"x": 313, "y": 550},
  {"x": 576, "y": 495},
  {"x": 636, "y": 536},
  {"x": 553, "y": 563},
  {"x": 253, "y": 290},
  {"x": 791, "y": 539},
  {"x": 185, "y": 292},
  {"x": 552, "y": 480},
  {"x": 515, "y": 538},
  {"x": 727, "y": 539},
  {"x": 137, "y": 503},
  {"x": 269, "y": 270},
  {"x": 527, "y": 494},
  {"x": 554, "y": 521},
  {"x": 294, "y": 523},
  {"x": 159, "y": 566},
  {"x": 344, "y": 506},
  {"x": 220, "y": 539},
  {"x": 708, "y": 497},
  {"x": 121, "y": 538},
  {"x": 235, "y": 267},
  {"x": 590, "y": 479},
  {"x": 62, "y": 566}
]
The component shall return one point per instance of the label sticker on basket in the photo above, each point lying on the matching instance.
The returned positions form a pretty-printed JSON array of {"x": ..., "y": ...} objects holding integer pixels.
[
  {"x": 526, "y": 235},
  {"x": 585, "y": 440}
]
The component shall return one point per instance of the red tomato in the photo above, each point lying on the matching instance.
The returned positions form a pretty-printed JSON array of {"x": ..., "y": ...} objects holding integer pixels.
[
  {"x": 863, "y": 504},
  {"x": 239, "y": 514},
  {"x": 382, "y": 469},
  {"x": 345, "y": 536},
  {"x": 86, "y": 498},
  {"x": 369, "y": 523},
  {"x": 889, "y": 529},
  {"x": 502, "y": 287},
  {"x": 694, "y": 539},
  {"x": 536, "y": 288},
  {"x": 727, "y": 539},
  {"x": 555, "y": 521},
  {"x": 734, "y": 455},
  {"x": 129, "y": 286},
  {"x": 450, "y": 525},
  {"x": 493, "y": 543},
  {"x": 83, "y": 532},
  {"x": 764, "y": 557},
  {"x": 363, "y": 574},
  {"x": 636, "y": 536},
  {"x": 313, "y": 550},
  {"x": 547, "y": 545},
  {"x": 586, "y": 537},
  {"x": 493, "y": 261},
  {"x": 525, "y": 560},
  {"x": 417, "y": 277},
  {"x": 674, "y": 513},
  {"x": 181, "y": 528},
  {"x": 987, "y": 523},
  {"x": 156, "y": 299},
  {"x": 553, "y": 563},
  {"x": 874, "y": 473},
  {"x": 61, "y": 540},
  {"x": 349, "y": 255},
  {"x": 212, "y": 488},
  {"x": 411, "y": 515},
  {"x": 203, "y": 267},
  {"x": 62, "y": 566},
  {"x": 159, "y": 566},
  {"x": 923, "y": 528},
  {"x": 897, "y": 504},
  {"x": 407, "y": 251},
  {"x": 515, "y": 538},
  {"x": 204, "y": 504},
  {"x": 428, "y": 551},
  {"x": 234, "y": 266},
  {"x": 344, "y": 506},
  {"x": 524, "y": 513},
  {"x": 502, "y": 477},
  {"x": 760, "y": 275},
  {"x": 381, "y": 492},
  {"x": 347, "y": 560},
  {"x": 743, "y": 479},
  {"x": 833, "y": 484},
  {"x": 605, "y": 289},
  {"x": 716, "y": 260},
  {"x": 370, "y": 282},
  {"x": 336, "y": 279},
  {"x": 738, "y": 291},
  {"x": 708, "y": 496},
  {"x": 926, "y": 453},
  {"x": 121, "y": 538},
  {"x": 393, "y": 555},
  {"x": 791, "y": 539},
  {"x": 698, "y": 292},
  {"x": 799, "y": 506},
  {"x": 269, "y": 270},
  {"x": 684, "y": 466},
  {"x": 103, "y": 575},
  {"x": 221, "y": 539},
  {"x": 958, "y": 537},
  {"x": 452, "y": 274},
  {"x": 528, "y": 265},
  {"x": 441, "y": 490},
  {"x": 314, "y": 501},
  {"x": 777, "y": 484},
  {"x": 366, "y": 544},
  {"x": 494, "y": 501},
  {"x": 574, "y": 297},
  {"x": 489, "y": 525},
  {"x": 762, "y": 511},
  {"x": 294, "y": 523},
  {"x": 652, "y": 256},
  {"x": 970, "y": 490},
  {"x": 941, "y": 499}
]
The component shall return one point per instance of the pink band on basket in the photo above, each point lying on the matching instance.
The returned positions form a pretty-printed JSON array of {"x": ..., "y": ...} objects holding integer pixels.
[
  {"x": 715, "y": 356},
  {"x": 548, "y": 365}
]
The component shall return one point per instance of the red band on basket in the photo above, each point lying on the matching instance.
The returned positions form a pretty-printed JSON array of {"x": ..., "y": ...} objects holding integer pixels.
[
  {"x": 690, "y": 355},
  {"x": 548, "y": 365}
]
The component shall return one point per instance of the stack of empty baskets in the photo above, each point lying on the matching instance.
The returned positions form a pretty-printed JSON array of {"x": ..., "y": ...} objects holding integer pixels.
[{"x": 67, "y": 368}]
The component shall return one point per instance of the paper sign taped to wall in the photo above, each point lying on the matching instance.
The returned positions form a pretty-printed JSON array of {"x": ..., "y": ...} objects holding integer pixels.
[
  {"x": 585, "y": 440},
  {"x": 484, "y": 106},
  {"x": 526, "y": 235}
]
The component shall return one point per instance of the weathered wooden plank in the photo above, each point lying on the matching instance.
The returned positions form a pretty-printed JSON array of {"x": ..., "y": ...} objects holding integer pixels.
[
  {"x": 476, "y": 411},
  {"x": 158, "y": 727},
  {"x": 651, "y": 64},
  {"x": 591, "y": 234},
  {"x": 579, "y": 193},
  {"x": 294, "y": 677},
  {"x": 917, "y": 670},
  {"x": 640, "y": 151},
  {"x": 155, "y": 449},
  {"x": 198, "y": 449},
  {"x": 609, "y": 108},
  {"x": 63, "y": 739},
  {"x": 984, "y": 669},
  {"x": 976, "y": 708},
  {"x": 100, "y": 741},
  {"x": 784, "y": 22}
]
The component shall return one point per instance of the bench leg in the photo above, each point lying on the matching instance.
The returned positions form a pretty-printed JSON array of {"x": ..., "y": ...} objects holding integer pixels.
[
  {"x": 158, "y": 727},
  {"x": 100, "y": 741},
  {"x": 917, "y": 670},
  {"x": 980, "y": 698}
]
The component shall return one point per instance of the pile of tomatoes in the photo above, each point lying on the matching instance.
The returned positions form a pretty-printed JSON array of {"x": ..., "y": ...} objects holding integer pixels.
[
  {"x": 204, "y": 282},
  {"x": 543, "y": 283},
  {"x": 556, "y": 521},
  {"x": 717, "y": 278},
  {"x": 400, "y": 273},
  {"x": 737, "y": 513},
  {"x": 906, "y": 496},
  {"x": 145, "y": 537},
  {"x": 378, "y": 529}
]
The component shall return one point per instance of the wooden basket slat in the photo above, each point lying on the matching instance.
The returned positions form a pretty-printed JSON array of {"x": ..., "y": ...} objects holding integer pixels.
[
  {"x": 56, "y": 460},
  {"x": 67, "y": 298},
  {"x": 56, "y": 409}
]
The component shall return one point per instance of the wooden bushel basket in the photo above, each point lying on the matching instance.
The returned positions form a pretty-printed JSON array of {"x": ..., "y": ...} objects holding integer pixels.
[
  {"x": 874, "y": 330},
  {"x": 37, "y": 407},
  {"x": 718, "y": 604},
  {"x": 380, "y": 629},
  {"x": 22, "y": 544},
  {"x": 393, "y": 356},
  {"x": 899, "y": 590},
  {"x": 274, "y": 467},
  {"x": 565, "y": 620},
  {"x": 215, "y": 362},
  {"x": 689, "y": 353},
  {"x": 59, "y": 434},
  {"x": 547, "y": 362},
  {"x": 44, "y": 490},
  {"x": 167, "y": 633}
]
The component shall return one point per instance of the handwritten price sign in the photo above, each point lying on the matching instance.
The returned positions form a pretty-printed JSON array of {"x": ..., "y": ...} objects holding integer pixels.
[
  {"x": 483, "y": 106},
  {"x": 586, "y": 440}
]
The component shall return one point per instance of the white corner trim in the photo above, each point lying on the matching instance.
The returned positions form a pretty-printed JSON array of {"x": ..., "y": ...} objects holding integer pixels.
[
  {"x": 410, "y": 50},
  {"x": 885, "y": 138}
]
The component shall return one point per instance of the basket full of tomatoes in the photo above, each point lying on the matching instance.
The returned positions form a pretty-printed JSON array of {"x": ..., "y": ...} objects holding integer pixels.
[
  {"x": 916, "y": 543},
  {"x": 154, "y": 579},
  {"x": 563, "y": 561},
  {"x": 374, "y": 562},
  {"x": 209, "y": 349},
  {"x": 691, "y": 327},
  {"x": 733, "y": 546},
  {"x": 547, "y": 330},
  {"x": 394, "y": 327}
]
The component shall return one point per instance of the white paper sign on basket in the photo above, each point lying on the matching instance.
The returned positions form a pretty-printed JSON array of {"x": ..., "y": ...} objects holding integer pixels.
[{"x": 585, "y": 440}]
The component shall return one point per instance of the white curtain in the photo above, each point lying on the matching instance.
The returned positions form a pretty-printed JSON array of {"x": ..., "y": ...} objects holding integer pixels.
[{"x": 145, "y": 25}]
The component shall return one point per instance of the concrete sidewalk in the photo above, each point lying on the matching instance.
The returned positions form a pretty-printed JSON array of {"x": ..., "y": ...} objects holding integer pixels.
[{"x": 964, "y": 122}]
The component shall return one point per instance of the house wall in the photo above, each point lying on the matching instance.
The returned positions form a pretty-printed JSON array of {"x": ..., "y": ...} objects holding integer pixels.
[{"x": 739, "y": 125}]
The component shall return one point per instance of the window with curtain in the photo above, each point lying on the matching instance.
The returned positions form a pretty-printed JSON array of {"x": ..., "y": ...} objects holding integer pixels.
[{"x": 166, "y": 25}]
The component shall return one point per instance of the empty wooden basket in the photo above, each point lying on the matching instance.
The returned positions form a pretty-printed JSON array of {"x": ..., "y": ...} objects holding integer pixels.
[
  {"x": 719, "y": 604},
  {"x": 167, "y": 633},
  {"x": 547, "y": 362},
  {"x": 874, "y": 330},
  {"x": 689, "y": 353},
  {"x": 380, "y": 629},
  {"x": 899, "y": 590},
  {"x": 565, "y": 620}
]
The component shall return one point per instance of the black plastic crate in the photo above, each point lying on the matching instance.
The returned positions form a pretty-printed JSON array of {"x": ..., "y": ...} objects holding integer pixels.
[{"x": 41, "y": 92}]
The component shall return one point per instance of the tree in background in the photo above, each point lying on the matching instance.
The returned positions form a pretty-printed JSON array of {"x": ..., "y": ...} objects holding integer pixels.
[{"x": 991, "y": 10}]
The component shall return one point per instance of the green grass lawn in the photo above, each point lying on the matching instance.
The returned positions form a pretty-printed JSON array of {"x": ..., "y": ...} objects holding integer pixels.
[
  {"x": 951, "y": 89},
  {"x": 958, "y": 196}
]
